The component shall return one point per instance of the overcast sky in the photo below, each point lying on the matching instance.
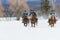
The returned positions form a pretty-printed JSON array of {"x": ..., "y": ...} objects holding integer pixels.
[
  {"x": 57, "y": 1},
  {"x": 33, "y": 0}
]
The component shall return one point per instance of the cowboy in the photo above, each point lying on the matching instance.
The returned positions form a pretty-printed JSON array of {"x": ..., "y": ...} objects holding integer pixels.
[
  {"x": 25, "y": 14},
  {"x": 33, "y": 13}
]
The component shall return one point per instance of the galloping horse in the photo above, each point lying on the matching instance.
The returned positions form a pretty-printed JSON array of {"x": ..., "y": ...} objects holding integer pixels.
[
  {"x": 33, "y": 19},
  {"x": 25, "y": 21},
  {"x": 52, "y": 21}
]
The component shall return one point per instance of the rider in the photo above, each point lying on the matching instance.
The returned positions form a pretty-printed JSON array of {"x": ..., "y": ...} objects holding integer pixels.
[
  {"x": 33, "y": 13},
  {"x": 25, "y": 14}
]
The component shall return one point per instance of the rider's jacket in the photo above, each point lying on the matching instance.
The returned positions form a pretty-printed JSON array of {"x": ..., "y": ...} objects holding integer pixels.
[
  {"x": 25, "y": 14},
  {"x": 33, "y": 13}
]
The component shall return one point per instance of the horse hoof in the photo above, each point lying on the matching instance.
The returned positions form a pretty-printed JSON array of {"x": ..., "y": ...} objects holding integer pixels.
[
  {"x": 25, "y": 26},
  {"x": 34, "y": 27},
  {"x": 52, "y": 26}
]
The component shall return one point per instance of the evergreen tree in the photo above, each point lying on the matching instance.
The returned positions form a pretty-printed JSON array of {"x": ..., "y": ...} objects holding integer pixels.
[{"x": 45, "y": 7}]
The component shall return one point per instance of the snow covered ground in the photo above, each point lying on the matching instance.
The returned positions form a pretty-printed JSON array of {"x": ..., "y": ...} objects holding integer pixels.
[{"x": 15, "y": 30}]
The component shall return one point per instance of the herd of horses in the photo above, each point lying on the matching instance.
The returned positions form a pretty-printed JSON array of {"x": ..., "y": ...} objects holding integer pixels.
[{"x": 34, "y": 20}]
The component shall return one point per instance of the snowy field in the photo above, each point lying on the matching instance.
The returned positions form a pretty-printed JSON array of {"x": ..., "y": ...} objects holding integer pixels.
[{"x": 15, "y": 30}]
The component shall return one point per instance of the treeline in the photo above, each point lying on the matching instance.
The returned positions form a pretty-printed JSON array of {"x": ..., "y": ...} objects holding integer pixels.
[{"x": 17, "y": 11}]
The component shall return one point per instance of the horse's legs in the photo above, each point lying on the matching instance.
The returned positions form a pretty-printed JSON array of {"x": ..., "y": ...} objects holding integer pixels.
[
  {"x": 36, "y": 21},
  {"x": 25, "y": 24},
  {"x": 49, "y": 24},
  {"x": 52, "y": 25},
  {"x": 34, "y": 24},
  {"x": 31, "y": 25}
]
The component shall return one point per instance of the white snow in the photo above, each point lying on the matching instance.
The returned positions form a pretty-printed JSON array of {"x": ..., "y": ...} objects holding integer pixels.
[{"x": 15, "y": 30}]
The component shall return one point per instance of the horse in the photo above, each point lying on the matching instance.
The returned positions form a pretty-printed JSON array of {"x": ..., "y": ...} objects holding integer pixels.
[
  {"x": 33, "y": 19},
  {"x": 25, "y": 21},
  {"x": 52, "y": 21}
]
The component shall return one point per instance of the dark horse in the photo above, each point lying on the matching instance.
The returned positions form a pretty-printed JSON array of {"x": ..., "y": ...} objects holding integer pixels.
[
  {"x": 33, "y": 19},
  {"x": 52, "y": 21},
  {"x": 25, "y": 21}
]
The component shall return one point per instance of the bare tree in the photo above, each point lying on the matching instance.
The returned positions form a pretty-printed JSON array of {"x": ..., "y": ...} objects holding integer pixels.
[{"x": 18, "y": 11}]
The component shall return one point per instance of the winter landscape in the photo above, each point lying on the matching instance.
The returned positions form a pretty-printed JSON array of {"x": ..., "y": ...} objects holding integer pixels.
[
  {"x": 15, "y": 30},
  {"x": 12, "y": 28}
]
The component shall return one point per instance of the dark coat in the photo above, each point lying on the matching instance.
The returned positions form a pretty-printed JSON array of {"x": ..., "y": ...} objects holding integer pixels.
[{"x": 33, "y": 13}]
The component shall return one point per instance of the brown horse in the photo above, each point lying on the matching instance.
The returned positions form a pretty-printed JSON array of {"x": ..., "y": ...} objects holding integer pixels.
[
  {"x": 33, "y": 21},
  {"x": 52, "y": 21},
  {"x": 25, "y": 21}
]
